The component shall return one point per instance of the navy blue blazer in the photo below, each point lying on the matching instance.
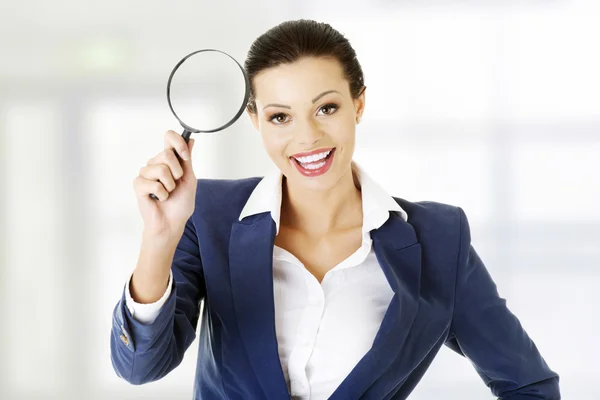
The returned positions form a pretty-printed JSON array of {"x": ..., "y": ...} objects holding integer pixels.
[{"x": 443, "y": 295}]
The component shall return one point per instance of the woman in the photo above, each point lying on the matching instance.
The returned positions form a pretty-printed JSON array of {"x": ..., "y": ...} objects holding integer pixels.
[{"x": 316, "y": 283}]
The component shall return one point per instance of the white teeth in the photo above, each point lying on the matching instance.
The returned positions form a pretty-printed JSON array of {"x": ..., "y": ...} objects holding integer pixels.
[
  {"x": 314, "y": 166},
  {"x": 313, "y": 157}
]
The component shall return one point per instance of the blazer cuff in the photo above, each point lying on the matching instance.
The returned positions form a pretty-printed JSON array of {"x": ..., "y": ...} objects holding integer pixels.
[{"x": 139, "y": 337}]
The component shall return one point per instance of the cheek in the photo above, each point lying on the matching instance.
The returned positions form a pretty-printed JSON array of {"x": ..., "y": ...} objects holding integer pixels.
[
  {"x": 341, "y": 130},
  {"x": 275, "y": 143}
]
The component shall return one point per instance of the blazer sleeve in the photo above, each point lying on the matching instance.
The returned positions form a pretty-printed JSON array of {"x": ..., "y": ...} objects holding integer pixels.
[
  {"x": 485, "y": 331},
  {"x": 142, "y": 353}
]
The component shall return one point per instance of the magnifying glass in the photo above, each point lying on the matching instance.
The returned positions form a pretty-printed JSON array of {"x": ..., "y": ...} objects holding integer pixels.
[{"x": 209, "y": 89}]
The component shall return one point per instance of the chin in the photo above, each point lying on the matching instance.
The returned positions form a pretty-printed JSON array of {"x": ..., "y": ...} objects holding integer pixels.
[{"x": 317, "y": 183}]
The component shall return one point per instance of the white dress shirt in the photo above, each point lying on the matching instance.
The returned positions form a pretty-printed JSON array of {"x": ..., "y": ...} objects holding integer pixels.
[{"x": 323, "y": 329}]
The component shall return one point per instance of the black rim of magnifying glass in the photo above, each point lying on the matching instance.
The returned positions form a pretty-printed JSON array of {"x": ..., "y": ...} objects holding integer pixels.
[{"x": 237, "y": 115}]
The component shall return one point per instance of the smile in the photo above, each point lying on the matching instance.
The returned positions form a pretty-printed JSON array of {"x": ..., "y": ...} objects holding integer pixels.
[{"x": 314, "y": 163}]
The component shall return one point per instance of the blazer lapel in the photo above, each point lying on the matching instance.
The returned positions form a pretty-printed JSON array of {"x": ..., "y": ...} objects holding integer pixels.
[
  {"x": 399, "y": 255},
  {"x": 251, "y": 273}
]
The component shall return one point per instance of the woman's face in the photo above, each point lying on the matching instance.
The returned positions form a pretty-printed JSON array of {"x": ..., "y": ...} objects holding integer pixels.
[{"x": 306, "y": 107}]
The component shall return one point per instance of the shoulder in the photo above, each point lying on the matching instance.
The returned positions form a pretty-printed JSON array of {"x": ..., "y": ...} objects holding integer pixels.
[
  {"x": 223, "y": 197},
  {"x": 424, "y": 213},
  {"x": 438, "y": 226},
  {"x": 216, "y": 189}
]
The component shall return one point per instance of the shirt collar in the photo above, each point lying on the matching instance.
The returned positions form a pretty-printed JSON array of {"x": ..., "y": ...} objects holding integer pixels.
[{"x": 376, "y": 203}]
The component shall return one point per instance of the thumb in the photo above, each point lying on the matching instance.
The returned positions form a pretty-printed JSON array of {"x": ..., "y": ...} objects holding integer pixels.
[
  {"x": 191, "y": 147},
  {"x": 187, "y": 164}
]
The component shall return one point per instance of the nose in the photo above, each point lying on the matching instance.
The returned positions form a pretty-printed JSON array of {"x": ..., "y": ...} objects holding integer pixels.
[{"x": 309, "y": 134}]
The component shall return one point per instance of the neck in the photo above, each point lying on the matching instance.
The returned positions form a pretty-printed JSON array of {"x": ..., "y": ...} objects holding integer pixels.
[{"x": 320, "y": 212}]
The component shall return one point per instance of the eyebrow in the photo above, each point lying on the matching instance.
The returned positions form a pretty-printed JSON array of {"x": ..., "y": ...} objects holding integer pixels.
[{"x": 313, "y": 100}]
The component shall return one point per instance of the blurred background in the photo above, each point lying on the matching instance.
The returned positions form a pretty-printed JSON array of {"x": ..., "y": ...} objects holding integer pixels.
[{"x": 490, "y": 105}]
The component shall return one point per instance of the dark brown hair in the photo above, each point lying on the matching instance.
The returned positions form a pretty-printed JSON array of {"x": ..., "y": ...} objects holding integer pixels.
[{"x": 292, "y": 40}]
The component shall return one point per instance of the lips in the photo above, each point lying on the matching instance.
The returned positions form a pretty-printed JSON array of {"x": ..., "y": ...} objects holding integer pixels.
[{"x": 313, "y": 163}]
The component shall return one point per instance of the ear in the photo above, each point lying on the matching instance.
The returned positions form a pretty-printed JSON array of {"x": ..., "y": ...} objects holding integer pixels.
[
  {"x": 359, "y": 104},
  {"x": 253, "y": 118}
]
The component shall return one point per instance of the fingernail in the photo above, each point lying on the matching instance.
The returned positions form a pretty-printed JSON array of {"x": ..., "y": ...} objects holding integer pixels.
[{"x": 185, "y": 155}]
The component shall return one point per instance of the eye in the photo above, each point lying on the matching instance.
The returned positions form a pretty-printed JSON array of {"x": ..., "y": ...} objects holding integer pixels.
[
  {"x": 329, "y": 109},
  {"x": 278, "y": 119}
]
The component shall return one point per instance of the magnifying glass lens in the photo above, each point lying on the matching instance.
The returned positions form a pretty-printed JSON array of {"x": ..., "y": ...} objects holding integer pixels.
[{"x": 207, "y": 90}]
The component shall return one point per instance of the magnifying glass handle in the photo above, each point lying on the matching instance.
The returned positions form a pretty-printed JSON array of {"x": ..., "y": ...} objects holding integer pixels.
[{"x": 186, "y": 136}]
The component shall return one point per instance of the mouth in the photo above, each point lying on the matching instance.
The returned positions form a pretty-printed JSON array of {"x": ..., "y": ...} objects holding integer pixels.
[{"x": 314, "y": 164}]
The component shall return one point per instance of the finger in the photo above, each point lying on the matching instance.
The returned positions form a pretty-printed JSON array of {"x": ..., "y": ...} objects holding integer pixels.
[
  {"x": 188, "y": 170},
  {"x": 143, "y": 187},
  {"x": 174, "y": 140},
  {"x": 190, "y": 146},
  {"x": 168, "y": 158},
  {"x": 159, "y": 172},
  {"x": 174, "y": 164}
]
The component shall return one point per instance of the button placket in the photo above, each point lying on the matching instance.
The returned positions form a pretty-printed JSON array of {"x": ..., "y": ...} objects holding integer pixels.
[{"x": 310, "y": 323}]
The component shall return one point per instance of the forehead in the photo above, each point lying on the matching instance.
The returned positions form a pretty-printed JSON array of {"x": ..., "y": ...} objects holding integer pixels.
[{"x": 300, "y": 80}]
